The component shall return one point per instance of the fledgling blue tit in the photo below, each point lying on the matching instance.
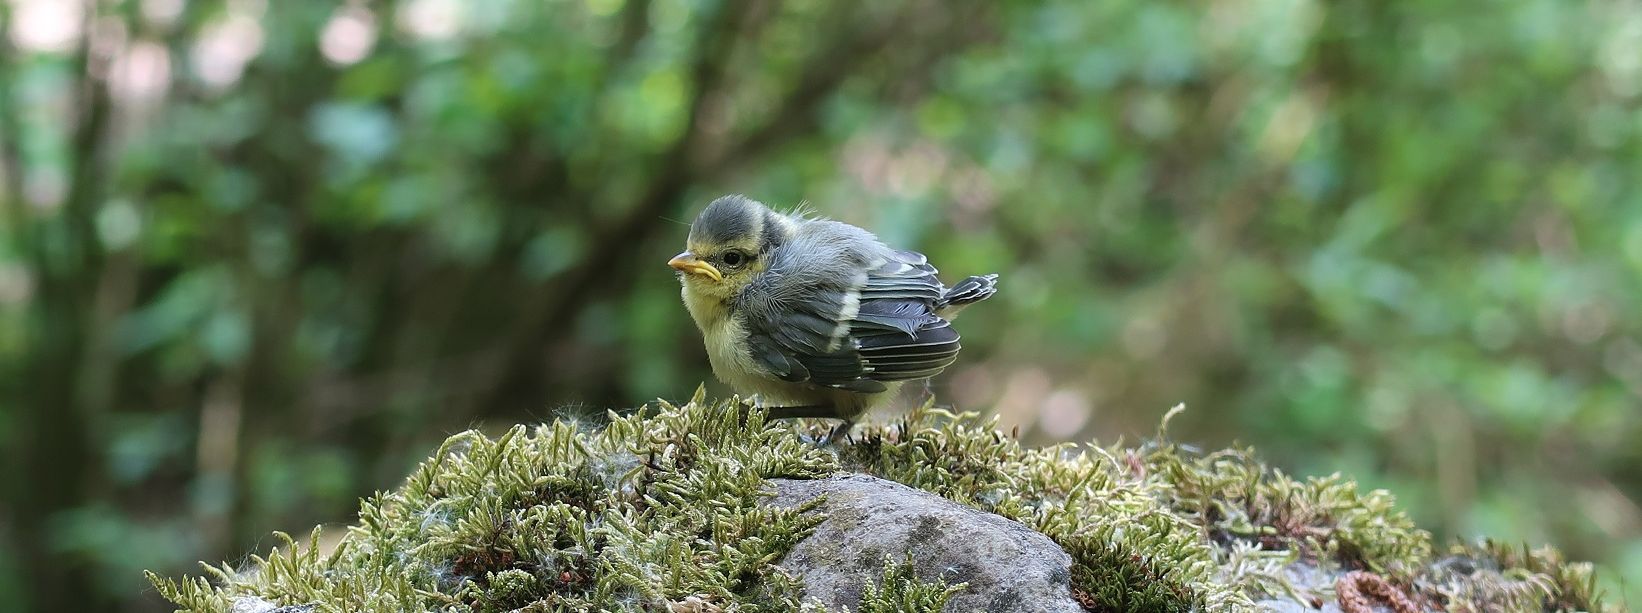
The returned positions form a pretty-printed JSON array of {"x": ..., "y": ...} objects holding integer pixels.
[{"x": 813, "y": 317}]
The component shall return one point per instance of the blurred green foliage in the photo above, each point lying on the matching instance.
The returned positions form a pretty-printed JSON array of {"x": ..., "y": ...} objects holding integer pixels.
[{"x": 258, "y": 256}]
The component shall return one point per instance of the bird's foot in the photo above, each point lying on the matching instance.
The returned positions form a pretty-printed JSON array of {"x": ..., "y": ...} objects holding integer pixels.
[
  {"x": 840, "y": 431},
  {"x": 801, "y": 411},
  {"x": 809, "y": 411}
]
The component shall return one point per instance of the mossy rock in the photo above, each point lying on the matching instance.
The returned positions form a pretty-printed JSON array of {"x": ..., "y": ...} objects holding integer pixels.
[
  {"x": 662, "y": 510},
  {"x": 992, "y": 563}
]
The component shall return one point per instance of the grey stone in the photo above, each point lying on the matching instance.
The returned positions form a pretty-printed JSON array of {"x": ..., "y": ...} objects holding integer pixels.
[{"x": 1008, "y": 567}]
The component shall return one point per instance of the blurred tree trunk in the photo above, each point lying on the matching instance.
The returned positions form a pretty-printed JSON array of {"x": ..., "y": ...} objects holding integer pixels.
[{"x": 61, "y": 463}]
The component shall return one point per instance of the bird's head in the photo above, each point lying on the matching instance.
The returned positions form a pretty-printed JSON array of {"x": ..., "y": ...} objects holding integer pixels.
[{"x": 729, "y": 244}]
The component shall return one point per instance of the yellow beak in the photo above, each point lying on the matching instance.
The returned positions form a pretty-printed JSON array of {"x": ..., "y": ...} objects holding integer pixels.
[{"x": 686, "y": 262}]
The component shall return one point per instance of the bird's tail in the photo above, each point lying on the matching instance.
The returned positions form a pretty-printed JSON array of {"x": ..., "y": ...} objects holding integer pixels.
[{"x": 966, "y": 292}]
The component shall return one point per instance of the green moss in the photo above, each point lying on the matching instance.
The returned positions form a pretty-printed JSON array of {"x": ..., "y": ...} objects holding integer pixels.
[
  {"x": 651, "y": 509},
  {"x": 1492, "y": 576},
  {"x": 900, "y": 591},
  {"x": 661, "y": 510}
]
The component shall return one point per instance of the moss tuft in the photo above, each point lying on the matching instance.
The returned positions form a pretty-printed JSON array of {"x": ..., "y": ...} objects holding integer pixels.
[
  {"x": 900, "y": 591},
  {"x": 661, "y": 510},
  {"x": 1491, "y": 576}
]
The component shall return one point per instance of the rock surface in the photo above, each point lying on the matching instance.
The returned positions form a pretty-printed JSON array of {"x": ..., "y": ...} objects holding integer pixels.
[{"x": 1008, "y": 567}]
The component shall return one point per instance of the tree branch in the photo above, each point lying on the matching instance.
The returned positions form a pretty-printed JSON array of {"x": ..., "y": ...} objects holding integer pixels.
[{"x": 799, "y": 110}]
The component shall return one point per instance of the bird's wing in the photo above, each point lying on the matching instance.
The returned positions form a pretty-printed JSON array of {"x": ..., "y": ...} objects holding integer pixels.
[
  {"x": 898, "y": 334},
  {"x": 852, "y": 332}
]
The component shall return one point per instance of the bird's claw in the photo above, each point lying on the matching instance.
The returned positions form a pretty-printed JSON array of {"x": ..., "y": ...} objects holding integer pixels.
[{"x": 840, "y": 431}]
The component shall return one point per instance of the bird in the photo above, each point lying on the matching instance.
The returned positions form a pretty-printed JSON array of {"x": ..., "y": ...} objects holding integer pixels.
[{"x": 811, "y": 317}]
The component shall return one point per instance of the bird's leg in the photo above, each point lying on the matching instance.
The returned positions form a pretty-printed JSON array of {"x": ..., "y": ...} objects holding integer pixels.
[
  {"x": 809, "y": 411},
  {"x": 818, "y": 411},
  {"x": 839, "y": 431},
  {"x": 821, "y": 411}
]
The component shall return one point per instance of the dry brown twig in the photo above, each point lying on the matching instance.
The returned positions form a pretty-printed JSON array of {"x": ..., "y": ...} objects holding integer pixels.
[{"x": 1355, "y": 589}]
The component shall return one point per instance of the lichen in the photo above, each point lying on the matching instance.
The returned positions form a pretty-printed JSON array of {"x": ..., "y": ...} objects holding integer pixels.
[{"x": 662, "y": 510}]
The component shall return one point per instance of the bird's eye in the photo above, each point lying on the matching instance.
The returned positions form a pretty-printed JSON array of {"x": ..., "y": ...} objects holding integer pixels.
[{"x": 734, "y": 258}]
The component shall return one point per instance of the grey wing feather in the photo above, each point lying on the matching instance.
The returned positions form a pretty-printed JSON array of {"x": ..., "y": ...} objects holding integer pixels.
[
  {"x": 900, "y": 335},
  {"x": 796, "y": 316},
  {"x": 850, "y": 331},
  {"x": 969, "y": 291}
]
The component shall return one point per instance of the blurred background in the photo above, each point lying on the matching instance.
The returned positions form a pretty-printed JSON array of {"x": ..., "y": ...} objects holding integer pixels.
[{"x": 258, "y": 257}]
